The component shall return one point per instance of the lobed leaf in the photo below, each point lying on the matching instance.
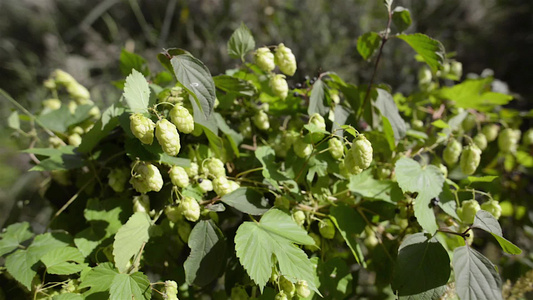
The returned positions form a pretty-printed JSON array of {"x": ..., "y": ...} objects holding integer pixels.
[{"x": 129, "y": 239}]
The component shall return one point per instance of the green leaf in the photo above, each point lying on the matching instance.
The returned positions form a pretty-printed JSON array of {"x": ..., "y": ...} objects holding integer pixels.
[
  {"x": 475, "y": 276},
  {"x": 14, "y": 235},
  {"x": 233, "y": 85},
  {"x": 131, "y": 61},
  {"x": 197, "y": 80},
  {"x": 247, "y": 200},
  {"x": 275, "y": 234},
  {"x": 447, "y": 201},
  {"x": 472, "y": 93},
  {"x": 433, "y": 294},
  {"x": 99, "y": 279},
  {"x": 234, "y": 137},
  {"x": 486, "y": 221},
  {"x": 431, "y": 50},
  {"x": 135, "y": 286},
  {"x": 350, "y": 224},
  {"x": 68, "y": 296},
  {"x": 60, "y": 119},
  {"x": 386, "y": 105},
  {"x": 130, "y": 238},
  {"x": 101, "y": 129},
  {"x": 335, "y": 278},
  {"x": 482, "y": 178},
  {"x": 62, "y": 158},
  {"x": 427, "y": 181},
  {"x": 271, "y": 173},
  {"x": 207, "y": 258},
  {"x": 137, "y": 92},
  {"x": 401, "y": 17},
  {"x": 365, "y": 185},
  {"x": 13, "y": 121},
  {"x": 64, "y": 261},
  {"x": 316, "y": 101},
  {"x": 440, "y": 124},
  {"x": 422, "y": 265},
  {"x": 368, "y": 43},
  {"x": 241, "y": 42},
  {"x": 135, "y": 149}
]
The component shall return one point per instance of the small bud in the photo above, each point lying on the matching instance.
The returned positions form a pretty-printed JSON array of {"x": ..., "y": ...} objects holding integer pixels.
[
  {"x": 74, "y": 139},
  {"x": 299, "y": 217},
  {"x": 264, "y": 59},
  {"x": 285, "y": 60},
  {"x": 52, "y": 104},
  {"x": 142, "y": 128},
  {"x": 168, "y": 137}
]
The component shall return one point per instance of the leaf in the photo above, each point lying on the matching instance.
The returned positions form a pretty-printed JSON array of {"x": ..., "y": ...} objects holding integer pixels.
[
  {"x": 135, "y": 286},
  {"x": 350, "y": 224},
  {"x": 207, "y": 257},
  {"x": 365, "y": 185},
  {"x": 131, "y": 61},
  {"x": 197, "y": 80},
  {"x": 14, "y": 235},
  {"x": 475, "y": 276},
  {"x": 481, "y": 178},
  {"x": 137, "y": 92},
  {"x": 472, "y": 93},
  {"x": 368, "y": 43},
  {"x": 101, "y": 129},
  {"x": 447, "y": 201},
  {"x": 13, "y": 121},
  {"x": 99, "y": 279},
  {"x": 136, "y": 149},
  {"x": 401, "y": 17},
  {"x": 129, "y": 239},
  {"x": 440, "y": 124},
  {"x": 68, "y": 296},
  {"x": 64, "y": 261},
  {"x": 271, "y": 173},
  {"x": 275, "y": 234},
  {"x": 233, "y": 85},
  {"x": 316, "y": 101},
  {"x": 431, "y": 50},
  {"x": 386, "y": 105},
  {"x": 335, "y": 278},
  {"x": 247, "y": 200},
  {"x": 486, "y": 221},
  {"x": 433, "y": 294},
  {"x": 422, "y": 265},
  {"x": 241, "y": 42},
  {"x": 234, "y": 137},
  {"x": 60, "y": 119},
  {"x": 427, "y": 181}
]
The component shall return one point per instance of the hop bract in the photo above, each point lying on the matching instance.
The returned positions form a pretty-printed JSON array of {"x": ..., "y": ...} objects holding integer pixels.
[
  {"x": 190, "y": 208},
  {"x": 168, "y": 137},
  {"x": 182, "y": 118},
  {"x": 179, "y": 177},
  {"x": 146, "y": 178},
  {"x": 285, "y": 60},
  {"x": 279, "y": 86},
  {"x": 470, "y": 159},
  {"x": 508, "y": 140},
  {"x": 142, "y": 128},
  {"x": 264, "y": 59},
  {"x": 452, "y": 152}
]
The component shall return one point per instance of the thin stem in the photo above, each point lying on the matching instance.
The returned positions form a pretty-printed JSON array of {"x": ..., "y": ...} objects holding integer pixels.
[{"x": 69, "y": 202}]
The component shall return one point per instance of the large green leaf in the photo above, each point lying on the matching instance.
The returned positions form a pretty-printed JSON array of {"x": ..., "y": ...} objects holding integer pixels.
[
  {"x": 387, "y": 107},
  {"x": 137, "y": 92},
  {"x": 233, "y": 85},
  {"x": 64, "y": 261},
  {"x": 197, "y": 80},
  {"x": 486, "y": 221},
  {"x": 241, "y": 42},
  {"x": 267, "y": 157},
  {"x": 316, "y": 101},
  {"x": 275, "y": 234},
  {"x": 350, "y": 224},
  {"x": 247, "y": 200},
  {"x": 368, "y": 43},
  {"x": 233, "y": 136},
  {"x": 207, "y": 258},
  {"x": 401, "y": 17},
  {"x": 60, "y": 119},
  {"x": 422, "y": 265},
  {"x": 134, "y": 286},
  {"x": 365, "y": 185},
  {"x": 476, "y": 278},
  {"x": 474, "y": 93},
  {"x": 131, "y": 61},
  {"x": 427, "y": 181},
  {"x": 129, "y": 239},
  {"x": 99, "y": 279},
  {"x": 101, "y": 128},
  {"x": 13, "y": 236},
  {"x": 431, "y": 50},
  {"x": 336, "y": 278}
]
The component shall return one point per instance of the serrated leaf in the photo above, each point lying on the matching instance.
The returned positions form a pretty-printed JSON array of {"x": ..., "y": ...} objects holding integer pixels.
[
  {"x": 63, "y": 261},
  {"x": 247, "y": 200},
  {"x": 440, "y": 124},
  {"x": 131, "y": 61},
  {"x": 130, "y": 239},
  {"x": 422, "y": 265},
  {"x": 271, "y": 170},
  {"x": 476, "y": 277},
  {"x": 486, "y": 221},
  {"x": 472, "y": 93},
  {"x": 137, "y": 92},
  {"x": 431, "y": 50},
  {"x": 233, "y": 85},
  {"x": 401, "y": 17},
  {"x": 427, "y": 181},
  {"x": 368, "y": 43},
  {"x": 60, "y": 119},
  {"x": 197, "y": 80},
  {"x": 98, "y": 279},
  {"x": 365, "y": 185},
  {"x": 101, "y": 129},
  {"x": 241, "y": 42},
  {"x": 433, "y": 294},
  {"x": 387, "y": 107},
  {"x": 350, "y": 224},
  {"x": 447, "y": 201},
  {"x": 135, "y": 286},
  {"x": 13, "y": 236},
  {"x": 68, "y": 296},
  {"x": 316, "y": 100},
  {"x": 207, "y": 258},
  {"x": 275, "y": 234}
]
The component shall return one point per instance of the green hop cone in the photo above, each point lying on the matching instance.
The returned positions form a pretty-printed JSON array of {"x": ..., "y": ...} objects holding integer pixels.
[
  {"x": 469, "y": 122},
  {"x": 443, "y": 169},
  {"x": 456, "y": 69},
  {"x": 468, "y": 210},
  {"x": 260, "y": 120},
  {"x": 173, "y": 213},
  {"x": 179, "y": 177},
  {"x": 302, "y": 149},
  {"x": 481, "y": 141},
  {"x": 348, "y": 166},
  {"x": 142, "y": 128},
  {"x": 383, "y": 172},
  {"x": 141, "y": 204},
  {"x": 282, "y": 203},
  {"x": 171, "y": 290},
  {"x": 264, "y": 59},
  {"x": 287, "y": 286},
  {"x": 299, "y": 217},
  {"x": 470, "y": 158},
  {"x": 239, "y": 293},
  {"x": 168, "y": 137},
  {"x": 508, "y": 140},
  {"x": 281, "y": 296},
  {"x": 62, "y": 77},
  {"x": 192, "y": 171},
  {"x": 206, "y": 185},
  {"x": 221, "y": 186},
  {"x": 182, "y": 118},
  {"x": 290, "y": 136},
  {"x": 117, "y": 179},
  {"x": 359, "y": 157},
  {"x": 279, "y": 86},
  {"x": 285, "y": 60},
  {"x": 74, "y": 139},
  {"x": 78, "y": 91},
  {"x": 146, "y": 178},
  {"x": 527, "y": 139},
  {"x": 214, "y": 167},
  {"x": 424, "y": 76},
  {"x": 490, "y": 131},
  {"x": 493, "y": 207},
  {"x": 55, "y": 141},
  {"x": 302, "y": 289},
  {"x": 190, "y": 208},
  {"x": 326, "y": 228},
  {"x": 52, "y": 104},
  {"x": 451, "y": 153}
]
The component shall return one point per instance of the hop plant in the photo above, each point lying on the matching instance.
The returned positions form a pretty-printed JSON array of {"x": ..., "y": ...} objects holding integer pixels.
[
  {"x": 481, "y": 141},
  {"x": 260, "y": 120},
  {"x": 359, "y": 157},
  {"x": 173, "y": 213},
  {"x": 281, "y": 296},
  {"x": 451, "y": 153},
  {"x": 299, "y": 217},
  {"x": 302, "y": 289},
  {"x": 192, "y": 170},
  {"x": 182, "y": 118},
  {"x": 206, "y": 185},
  {"x": 467, "y": 211},
  {"x": 318, "y": 121},
  {"x": 171, "y": 290},
  {"x": 141, "y": 203},
  {"x": 527, "y": 140},
  {"x": 302, "y": 149},
  {"x": 74, "y": 139},
  {"x": 214, "y": 167},
  {"x": 264, "y": 59},
  {"x": 146, "y": 178},
  {"x": 168, "y": 137},
  {"x": 493, "y": 207},
  {"x": 279, "y": 86},
  {"x": 142, "y": 128},
  {"x": 239, "y": 293},
  {"x": 285, "y": 60},
  {"x": 179, "y": 177},
  {"x": 490, "y": 131},
  {"x": 190, "y": 208},
  {"x": 336, "y": 148},
  {"x": 117, "y": 179},
  {"x": 287, "y": 286},
  {"x": 221, "y": 186},
  {"x": 508, "y": 140},
  {"x": 327, "y": 229},
  {"x": 470, "y": 159}
]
